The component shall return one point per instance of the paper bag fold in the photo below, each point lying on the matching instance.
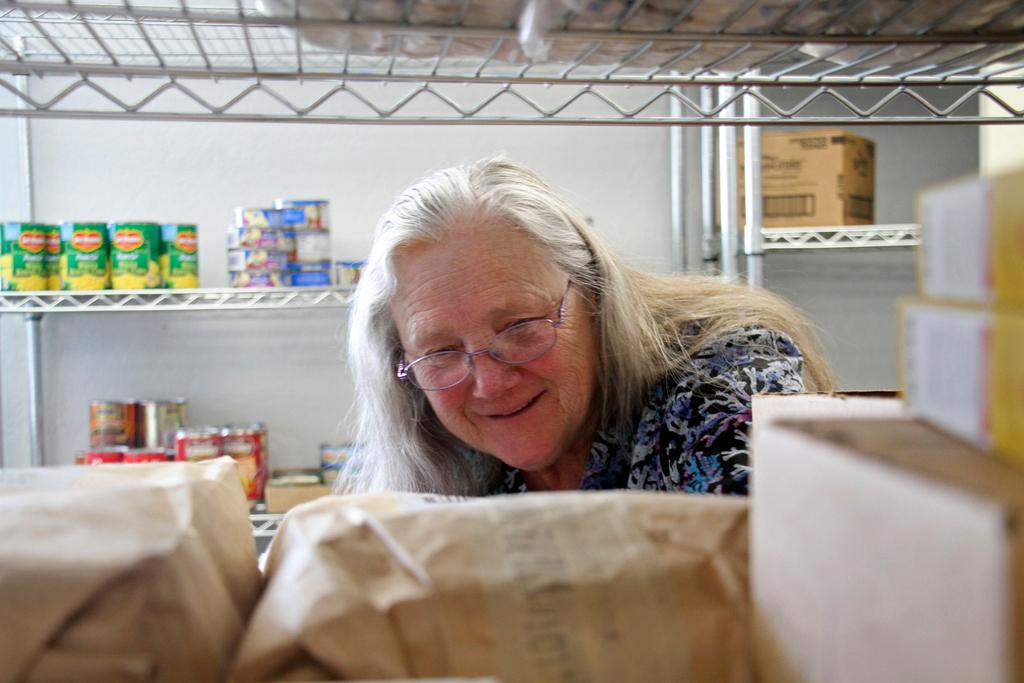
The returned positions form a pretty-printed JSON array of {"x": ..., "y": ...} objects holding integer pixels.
[{"x": 605, "y": 586}]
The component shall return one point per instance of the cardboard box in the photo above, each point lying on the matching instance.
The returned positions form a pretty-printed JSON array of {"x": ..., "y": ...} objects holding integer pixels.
[
  {"x": 768, "y": 408},
  {"x": 283, "y": 498},
  {"x": 963, "y": 371},
  {"x": 884, "y": 550},
  {"x": 819, "y": 177},
  {"x": 973, "y": 241}
]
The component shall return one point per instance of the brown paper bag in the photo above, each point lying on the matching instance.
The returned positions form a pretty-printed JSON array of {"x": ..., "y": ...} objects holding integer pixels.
[
  {"x": 124, "y": 572},
  {"x": 609, "y": 586}
]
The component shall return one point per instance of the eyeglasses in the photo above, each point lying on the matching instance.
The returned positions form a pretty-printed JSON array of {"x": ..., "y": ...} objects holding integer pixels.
[{"x": 518, "y": 344}]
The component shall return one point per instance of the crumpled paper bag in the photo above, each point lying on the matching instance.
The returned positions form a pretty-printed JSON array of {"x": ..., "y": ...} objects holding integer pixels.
[
  {"x": 608, "y": 586},
  {"x": 124, "y": 572}
]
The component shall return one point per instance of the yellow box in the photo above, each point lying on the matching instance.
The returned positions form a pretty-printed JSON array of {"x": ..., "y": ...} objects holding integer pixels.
[
  {"x": 972, "y": 247},
  {"x": 963, "y": 372}
]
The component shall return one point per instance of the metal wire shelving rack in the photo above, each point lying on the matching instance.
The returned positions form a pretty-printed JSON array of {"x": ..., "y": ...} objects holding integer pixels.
[
  {"x": 264, "y": 524},
  {"x": 803, "y": 62}
]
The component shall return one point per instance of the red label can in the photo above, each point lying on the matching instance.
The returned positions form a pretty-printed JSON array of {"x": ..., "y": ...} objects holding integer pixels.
[
  {"x": 111, "y": 423},
  {"x": 199, "y": 443},
  {"x": 137, "y": 455},
  {"x": 248, "y": 446},
  {"x": 105, "y": 456}
]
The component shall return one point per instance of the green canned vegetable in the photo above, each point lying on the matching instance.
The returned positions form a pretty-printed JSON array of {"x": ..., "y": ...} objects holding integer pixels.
[
  {"x": 179, "y": 256},
  {"x": 23, "y": 257},
  {"x": 84, "y": 256},
  {"x": 134, "y": 255},
  {"x": 52, "y": 257}
]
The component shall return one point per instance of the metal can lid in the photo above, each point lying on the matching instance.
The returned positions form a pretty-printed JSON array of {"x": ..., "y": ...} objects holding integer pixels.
[
  {"x": 244, "y": 428},
  {"x": 299, "y": 202},
  {"x": 107, "y": 450},
  {"x": 206, "y": 430}
]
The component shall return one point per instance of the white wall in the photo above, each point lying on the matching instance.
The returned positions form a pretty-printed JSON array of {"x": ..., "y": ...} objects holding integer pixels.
[{"x": 284, "y": 367}]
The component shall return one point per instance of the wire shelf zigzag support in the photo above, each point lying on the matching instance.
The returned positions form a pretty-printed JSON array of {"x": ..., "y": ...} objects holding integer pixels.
[{"x": 604, "y": 103}]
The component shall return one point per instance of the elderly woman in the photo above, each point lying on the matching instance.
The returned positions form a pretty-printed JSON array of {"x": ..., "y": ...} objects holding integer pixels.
[{"x": 499, "y": 346}]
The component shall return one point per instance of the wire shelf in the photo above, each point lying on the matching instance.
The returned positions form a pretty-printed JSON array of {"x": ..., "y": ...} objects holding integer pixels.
[
  {"x": 108, "y": 301},
  {"x": 627, "y": 60},
  {"x": 265, "y": 525},
  {"x": 497, "y": 103},
  {"x": 841, "y": 237}
]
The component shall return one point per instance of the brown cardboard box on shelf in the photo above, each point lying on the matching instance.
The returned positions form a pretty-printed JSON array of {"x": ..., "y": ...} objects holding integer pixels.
[
  {"x": 884, "y": 550},
  {"x": 820, "y": 177},
  {"x": 281, "y": 499}
]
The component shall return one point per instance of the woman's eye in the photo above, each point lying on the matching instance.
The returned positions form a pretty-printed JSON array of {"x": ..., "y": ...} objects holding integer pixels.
[
  {"x": 519, "y": 321},
  {"x": 440, "y": 349}
]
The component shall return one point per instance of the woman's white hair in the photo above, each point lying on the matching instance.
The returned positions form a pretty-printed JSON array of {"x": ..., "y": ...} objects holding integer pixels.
[{"x": 645, "y": 326}]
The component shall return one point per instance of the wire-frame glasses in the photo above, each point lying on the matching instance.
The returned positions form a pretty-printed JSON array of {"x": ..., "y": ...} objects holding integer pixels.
[{"x": 520, "y": 343}]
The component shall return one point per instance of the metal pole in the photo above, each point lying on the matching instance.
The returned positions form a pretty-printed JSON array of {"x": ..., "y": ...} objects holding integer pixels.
[
  {"x": 753, "y": 205},
  {"x": 709, "y": 252},
  {"x": 727, "y": 185},
  {"x": 677, "y": 187},
  {"x": 692, "y": 198},
  {"x": 25, "y": 147},
  {"x": 35, "y": 388},
  {"x": 34, "y": 356}
]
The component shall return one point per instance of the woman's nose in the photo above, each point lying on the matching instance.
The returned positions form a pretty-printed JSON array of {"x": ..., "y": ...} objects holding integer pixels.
[{"x": 492, "y": 378}]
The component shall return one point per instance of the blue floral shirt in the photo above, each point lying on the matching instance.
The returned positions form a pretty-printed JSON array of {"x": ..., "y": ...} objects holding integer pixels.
[{"x": 693, "y": 432}]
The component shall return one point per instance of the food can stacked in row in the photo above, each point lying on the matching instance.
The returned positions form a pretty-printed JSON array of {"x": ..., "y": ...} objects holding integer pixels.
[
  {"x": 133, "y": 431},
  {"x": 247, "y": 444},
  {"x": 334, "y": 460},
  {"x": 90, "y": 256},
  {"x": 286, "y": 246}
]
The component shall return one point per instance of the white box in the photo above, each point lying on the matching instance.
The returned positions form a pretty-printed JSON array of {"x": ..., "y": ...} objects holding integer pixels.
[
  {"x": 973, "y": 241},
  {"x": 772, "y": 407},
  {"x": 962, "y": 371},
  {"x": 884, "y": 550}
]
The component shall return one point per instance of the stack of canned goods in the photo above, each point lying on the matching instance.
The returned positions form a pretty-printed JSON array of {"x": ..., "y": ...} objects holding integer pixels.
[
  {"x": 247, "y": 444},
  {"x": 90, "y": 256},
  {"x": 334, "y": 460},
  {"x": 130, "y": 431},
  {"x": 133, "y": 431},
  {"x": 285, "y": 246}
]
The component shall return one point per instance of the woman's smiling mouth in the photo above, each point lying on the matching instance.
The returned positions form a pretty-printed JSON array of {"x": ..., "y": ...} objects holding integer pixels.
[{"x": 517, "y": 411}]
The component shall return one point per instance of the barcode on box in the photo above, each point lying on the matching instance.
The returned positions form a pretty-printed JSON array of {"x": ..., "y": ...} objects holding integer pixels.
[{"x": 789, "y": 205}]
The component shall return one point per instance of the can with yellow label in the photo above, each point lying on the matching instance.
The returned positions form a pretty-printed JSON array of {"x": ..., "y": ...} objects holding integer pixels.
[
  {"x": 179, "y": 255},
  {"x": 134, "y": 255},
  {"x": 23, "y": 257},
  {"x": 84, "y": 256},
  {"x": 52, "y": 258}
]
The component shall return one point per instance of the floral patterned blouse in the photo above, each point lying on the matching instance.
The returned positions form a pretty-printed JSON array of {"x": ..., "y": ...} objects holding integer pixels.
[{"x": 693, "y": 432}]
